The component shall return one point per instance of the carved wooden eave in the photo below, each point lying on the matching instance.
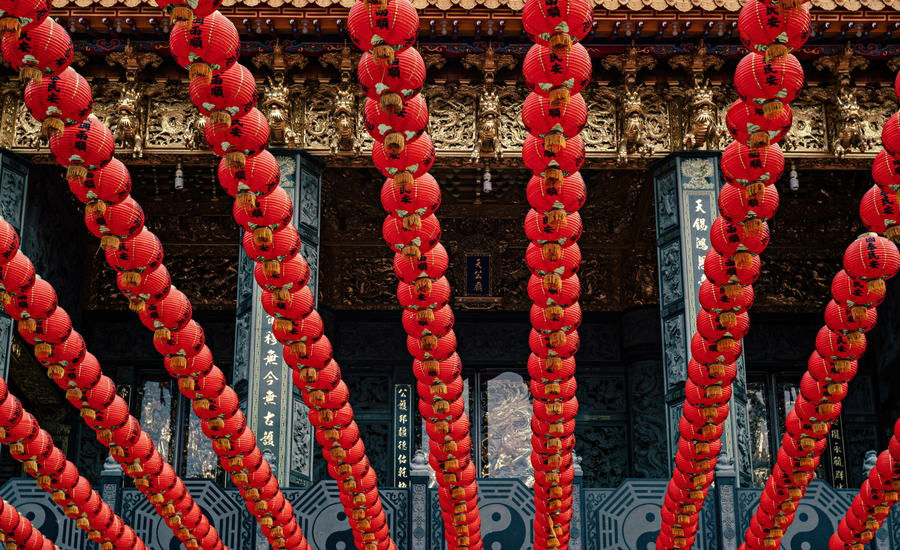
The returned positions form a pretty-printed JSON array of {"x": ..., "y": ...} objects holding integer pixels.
[{"x": 634, "y": 5}]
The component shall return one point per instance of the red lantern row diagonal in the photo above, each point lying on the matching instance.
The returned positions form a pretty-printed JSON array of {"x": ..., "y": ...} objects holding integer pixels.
[
  {"x": 225, "y": 91},
  {"x": 103, "y": 184},
  {"x": 391, "y": 74},
  {"x": 873, "y": 504},
  {"x": 49, "y": 329},
  {"x": 556, "y": 69},
  {"x": 34, "y": 448},
  {"x": 767, "y": 80},
  {"x": 856, "y": 292}
]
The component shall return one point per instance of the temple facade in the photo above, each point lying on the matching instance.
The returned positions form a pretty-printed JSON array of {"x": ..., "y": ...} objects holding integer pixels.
[{"x": 661, "y": 86}]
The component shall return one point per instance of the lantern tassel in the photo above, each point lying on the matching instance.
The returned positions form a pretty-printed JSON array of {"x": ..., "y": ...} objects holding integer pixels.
[
  {"x": 246, "y": 200},
  {"x": 413, "y": 222},
  {"x": 181, "y": 13},
  {"x": 76, "y": 173},
  {"x": 842, "y": 366},
  {"x": 425, "y": 316},
  {"x": 773, "y": 108},
  {"x": 728, "y": 319},
  {"x": 27, "y": 325},
  {"x": 759, "y": 139},
  {"x": 560, "y": 43},
  {"x": 391, "y": 102},
  {"x": 10, "y": 25},
  {"x": 553, "y": 409},
  {"x": 557, "y": 339},
  {"x": 450, "y": 447},
  {"x": 553, "y": 177},
  {"x": 402, "y": 180},
  {"x": 551, "y": 251},
  {"x": 299, "y": 349},
  {"x": 200, "y": 71},
  {"x": 876, "y": 286},
  {"x": 557, "y": 219},
  {"x": 309, "y": 375},
  {"x": 559, "y": 97},
  {"x": 236, "y": 159},
  {"x": 177, "y": 363},
  {"x": 775, "y": 51},
  {"x": 552, "y": 283},
  {"x": 725, "y": 345},
  {"x": 162, "y": 335},
  {"x": 756, "y": 190},
  {"x": 714, "y": 392},
  {"x": 262, "y": 236},
  {"x": 221, "y": 119},
  {"x": 423, "y": 286},
  {"x": 554, "y": 142},
  {"x": 734, "y": 291},
  {"x": 893, "y": 233},
  {"x": 411, "y": 251},
  {"x": 29, "y": 74},
  {"x": 109, "y": 240},
  {"x": 95, "y": 208},
  {"x": 52, "y": 126},
  {"x": 383, "y": 54},
  {"x": 43, "y": 350},
  {"x": 395, "y": 142},
  {"x": 716, "y": 370},
  {"x": 553, "y": 314}
]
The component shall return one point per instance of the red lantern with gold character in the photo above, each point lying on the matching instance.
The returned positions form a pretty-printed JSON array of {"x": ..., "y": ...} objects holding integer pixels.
[
  {"x": 205, "y": 46},
  {"x": 59, "y": 101},
  {"x": 87, "y": 146},
  {"x": 230, "y": 95},
  {"x": 43, "y": 50},
  {"x": 393, "y": 83},
  {"x": 557, "y": 76},
  {"x": 244, "y": 139},
  {"x": 558, "y": 23},
  {"x": 772, "y": 31},
  {"x": 383, "y": 28},
  {"x": 768, "y": 85}
]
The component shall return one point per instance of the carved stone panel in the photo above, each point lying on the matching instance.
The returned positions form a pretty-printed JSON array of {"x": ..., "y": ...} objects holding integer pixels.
[
  {"x": 674, "y": 350},
  {"x": 512, "y": 130},
  {"x": 648, "y": 419},
  {"x": 808, "y": 132},
  {"x": 604, "y": 454},
  {"x": 600, "y": 134},
  {"x": 451, "y": 112}
]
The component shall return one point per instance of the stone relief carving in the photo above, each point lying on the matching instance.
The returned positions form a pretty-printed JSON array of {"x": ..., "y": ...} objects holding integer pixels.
[
  {"x": 649, "y": 424},
  {"x": 451, "y": 110},
  {"x": 674, "y": 350},
  {"x": 633, "y": 138}
]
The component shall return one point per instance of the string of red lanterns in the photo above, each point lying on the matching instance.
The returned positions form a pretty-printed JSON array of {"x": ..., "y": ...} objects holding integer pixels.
[
  {"x": 84, "y": 145},
  {"x": 854, "y": 306},
  {"x": 392, "y": 74},
  {"x": 49, "y": 329},
  {"x": 225, "y": 91},
  {"x": 18, "y": 533},
  {"x": 556, "y": 69},
  {"x": 873, "y": 504},
  {"x": 767, "y": 79},
  {"x": 34, "y": 448}
]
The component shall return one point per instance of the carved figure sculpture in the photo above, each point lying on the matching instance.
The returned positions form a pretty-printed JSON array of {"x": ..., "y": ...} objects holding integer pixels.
[
  {"x": 128, "y": 126},
  {"x": 278, "y": 115},
  {"x": 634, "y": 137},
  {"x": 488, "y": 141},
  {"x": 703, "y": 129},
  {"x": 344, "y": 136},
  {"x": 849, "y": 124},
  {"x": 195, "y": 137}
]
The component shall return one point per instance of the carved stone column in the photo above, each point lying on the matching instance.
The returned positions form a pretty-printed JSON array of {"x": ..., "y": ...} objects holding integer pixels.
[
  {"x": 686, "y": 186},
  {"x": 275, "y": 409},
  {"x": 111, "y": 484},
  {"x": 13, "y": 187},
  {"x": 726, "y": 481},
  {"x": 419, "y": 476}
]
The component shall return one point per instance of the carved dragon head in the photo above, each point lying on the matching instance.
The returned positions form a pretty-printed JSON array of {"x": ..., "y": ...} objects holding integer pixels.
[
  {"x": 276, "y": 94},
  {"x": 633, "y": 105},
  {"x": 848, "y": 106},
  {"x": 702, "y": 97}
]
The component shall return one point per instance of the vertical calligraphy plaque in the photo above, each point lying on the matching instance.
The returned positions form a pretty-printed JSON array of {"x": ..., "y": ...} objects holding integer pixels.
[
  {"x": 837, "y": 455},
  {"x": 686, "y": 186},
  {"x": 403, "y": 433},
  {"x": 275, "y": 411},
  {"x": 478, "y": 275}
]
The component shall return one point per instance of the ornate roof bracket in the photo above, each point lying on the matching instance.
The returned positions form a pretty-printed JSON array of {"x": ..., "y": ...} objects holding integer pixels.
[
  {"x": 487, "y": 142},
  {"x": 629, "y": 63},
  {"x": 128, "y": 120},
  {"x": 697, "y": 62},
  {"x": 844, "y": 108}
]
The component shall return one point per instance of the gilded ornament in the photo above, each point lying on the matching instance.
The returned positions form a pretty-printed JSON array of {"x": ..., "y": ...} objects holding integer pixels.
[
  {"x": 850, "y": 133},
  {"x": 703, "y": 131},
  {"x": 634, "y": 137},
  {"x": 699, "y": 170}
]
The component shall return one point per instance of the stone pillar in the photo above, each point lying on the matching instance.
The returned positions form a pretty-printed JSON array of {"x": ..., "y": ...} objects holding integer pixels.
[
  {"x": 419, "y": 475},
  {"x": 686, "y": 185},
  {"x": 576, "y": 531},
  {"x": 13, "y": 186},
  {"x": 111, "y": 484},
  {"x": 274, "y": 407},
  {"x": 726, "y": 481}
]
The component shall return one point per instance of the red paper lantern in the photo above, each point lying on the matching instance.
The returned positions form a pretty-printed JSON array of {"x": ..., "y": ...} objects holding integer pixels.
[
  {"x": 259, "y": 176},
  {"x": 436, "y": 322},
  {"x": 726, "y": 271},
  {"x": 555, "y": 318},
  {"x": 100, "y": 188},
  {"x": 752, "y": 168},
  {"x": 557, "y": 75},
  {"x": 411, "y": 202},
  {"x": 553, "y": 167},
  {"x": 395, "y": 127},
  {"x": 412, "y": 242},
  {"x": 243, "y": 139},
  {"x": 185, "y": 342},
  {"x": 438, "y": 350},
  {"x": 17, "y": 275},
  {"x": 545, "y": 295},
  {"x": 712, "y": 328},
  {"x": 750, "y": 213},
  {"x": 873, "y": 259},
  {"x": 886, "y": 171},
  {"x": 170, "y": 314},
  {"x": 773, "y": 31},
  {"x": 731, "y": 240},
  {"x": 416, "y": 297},
  {"x": 707, "y": 352},
  {"x": 272, "y": 213},
  {"x": 205, "y": 46},
  {"x": 300, "y": 331},
  {"x": 836, "y": 346},
  {"x": 16, "y": 15},
  {"x": 38, "y": 302},
  {"x": 542, "y": 231},
  {"x": 567, "y": 195},
  {"x": 384, "y": 29},
  {"x": 49, "y": 331},
  {"x": 852, "y": 292},
  {"x": 542, "y": 346},
  {"x": 558, "y": 23},
  {"x": 284, "y": 245},
  {"x": 151, "y": 287},
  {"x": 295, "y": 305},
  {"x": 9, "y": 242},
  {"x": 415, "y": 159},
  {"x": 842, "y": 319},
  {"x": 554, "y": 124},
  {"x": 230, "y": 95},
  {"x": 748, "y": 124},
  {"x": 393, "y": 82},
  {"x": 563, "y": 265},
  {"x": 768, "y": 85},
  {"x": 87, "y": 146},
  {"x": 118, "y": 222},
  {"x": 134, "y": 256},
  {"x": 290, "y": 275},
  {"x": 45, "y": 49},
  {"x": 432, "y": 265},
  {"x": 823, "y": 369},
  {"x": 59, "y": 101},
  {"x": 879, "y": 212}
]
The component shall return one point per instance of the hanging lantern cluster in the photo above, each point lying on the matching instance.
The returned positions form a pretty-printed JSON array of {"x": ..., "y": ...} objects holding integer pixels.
[
  {"x": 856, "y": 291},
  {"x": 556, "y": 69},
  {"x": 208, "y": 45},
  {"x": 879, "y": 492},
  {"x": 392, "y": 74},
  {"x": 41, "y": 458},
  {"x": 16, "y": 532},
  {"x": 49, "y": 329},
  {"x": 767, "y": 79},
  {"x": 238, "y": 132},
  {"x": 879, "y": 207}
]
